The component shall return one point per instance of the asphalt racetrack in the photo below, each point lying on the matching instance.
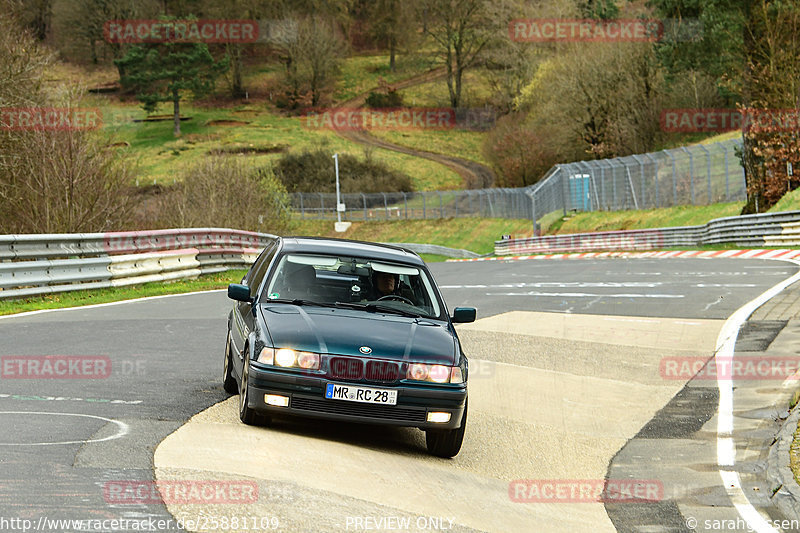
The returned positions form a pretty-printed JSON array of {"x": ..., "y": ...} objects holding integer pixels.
[{"x": 566, "y": 368}]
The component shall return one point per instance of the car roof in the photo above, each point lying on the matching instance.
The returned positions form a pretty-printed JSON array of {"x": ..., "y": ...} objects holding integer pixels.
[{"x": 370, "y": 250}]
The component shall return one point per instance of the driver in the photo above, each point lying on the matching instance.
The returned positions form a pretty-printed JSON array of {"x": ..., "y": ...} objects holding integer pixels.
[{"x": 387, "y": 284}]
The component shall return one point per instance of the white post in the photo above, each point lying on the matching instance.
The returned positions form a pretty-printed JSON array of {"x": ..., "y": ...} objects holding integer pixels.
[{"x": 339, "y": 226}]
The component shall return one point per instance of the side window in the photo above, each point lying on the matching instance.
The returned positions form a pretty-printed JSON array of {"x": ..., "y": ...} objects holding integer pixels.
[{"x": 256, "y": 274}]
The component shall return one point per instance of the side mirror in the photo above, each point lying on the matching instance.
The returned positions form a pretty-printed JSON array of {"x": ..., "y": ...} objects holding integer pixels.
[
  {"x": 464, "y": 314},
  {"x": 240, "y": 293}
]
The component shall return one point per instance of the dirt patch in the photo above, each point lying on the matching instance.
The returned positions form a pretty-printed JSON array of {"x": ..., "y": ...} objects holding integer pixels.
[
  {"x": 160, "y": 118},
  {"x": 226, "y": 123},
  {"x": 250, "y": 150}
]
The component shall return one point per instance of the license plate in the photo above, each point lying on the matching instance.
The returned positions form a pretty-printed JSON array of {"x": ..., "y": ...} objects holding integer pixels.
[{"x": 360, "y": 394}]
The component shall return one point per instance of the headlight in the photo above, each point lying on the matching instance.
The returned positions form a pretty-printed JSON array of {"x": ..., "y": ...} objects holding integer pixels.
[
  {"x": 288, "y": 358},
  {"x": 434, "y": 373},
  {"x": 285, "y": 357}
]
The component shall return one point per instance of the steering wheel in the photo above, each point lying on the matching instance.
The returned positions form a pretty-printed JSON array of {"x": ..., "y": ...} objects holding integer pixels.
[{"x": 396, "y": 297}]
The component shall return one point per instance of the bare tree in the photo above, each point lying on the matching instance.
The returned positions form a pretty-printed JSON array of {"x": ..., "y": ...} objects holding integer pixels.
[
  {"x": 462, "y": 30},
  {"x": 311, "y": 51}
]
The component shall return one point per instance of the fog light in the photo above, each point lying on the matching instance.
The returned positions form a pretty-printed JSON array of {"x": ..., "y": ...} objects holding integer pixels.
[
  {"x": 439, "y": 417},
  {"x": 277, "y": 400}
]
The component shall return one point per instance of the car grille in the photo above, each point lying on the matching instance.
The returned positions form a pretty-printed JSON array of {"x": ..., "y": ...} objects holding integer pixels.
[
  {"x": 346, "y": 368},
  {"x": 355, "y": 369},
  {"x": 383, "y": 412},
  {"x": 382, "y": 371}
]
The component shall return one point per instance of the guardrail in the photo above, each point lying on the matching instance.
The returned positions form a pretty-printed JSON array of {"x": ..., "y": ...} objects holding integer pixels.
[
  {"x": 771, "y": 229},
  {"x": 33, "y": 265}
]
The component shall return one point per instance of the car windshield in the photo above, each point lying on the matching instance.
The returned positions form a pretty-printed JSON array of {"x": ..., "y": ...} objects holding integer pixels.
[{"x": 352, "y": 282}]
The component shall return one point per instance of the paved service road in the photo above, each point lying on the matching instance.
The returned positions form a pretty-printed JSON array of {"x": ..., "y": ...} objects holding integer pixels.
[{"x": 556, "y": 393}]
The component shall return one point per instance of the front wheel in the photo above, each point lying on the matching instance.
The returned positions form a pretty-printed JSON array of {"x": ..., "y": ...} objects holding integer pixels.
[
  {"x": 446, "y": 442},
  {"x": 228, "y": 381},
  {"x": 246, "y": 414}
]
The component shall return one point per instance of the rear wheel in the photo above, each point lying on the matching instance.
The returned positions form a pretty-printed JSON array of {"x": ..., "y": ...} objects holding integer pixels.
[
  {"x": 228, "y": 381},
  {"x": 446, "y": 442}
]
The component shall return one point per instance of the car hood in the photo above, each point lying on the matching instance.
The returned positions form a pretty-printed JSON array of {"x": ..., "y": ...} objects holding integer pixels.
[{"x": 345, "y": 332}]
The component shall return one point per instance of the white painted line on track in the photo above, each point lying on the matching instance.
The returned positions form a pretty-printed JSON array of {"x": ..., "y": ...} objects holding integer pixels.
[
  {"x": 122, "y": 429},
  {"x": 107, "y": 304},
  {"x": 726, "y": 448},
  {"x": 585, "y": 294}
]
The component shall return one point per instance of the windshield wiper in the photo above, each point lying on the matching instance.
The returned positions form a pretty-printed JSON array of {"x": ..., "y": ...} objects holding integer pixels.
[
  {"x": 299, "y": 301},
  {"x": 372, "y": 307}
]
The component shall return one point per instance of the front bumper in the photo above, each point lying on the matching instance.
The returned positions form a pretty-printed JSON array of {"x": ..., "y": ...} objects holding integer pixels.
[{"x": 306, "y": 398}]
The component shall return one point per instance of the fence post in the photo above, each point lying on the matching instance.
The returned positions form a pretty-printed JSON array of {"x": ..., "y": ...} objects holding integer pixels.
[
  {"x": 655, "y": 174},
  {"x": 641, "y": 179},
  {"x": 364, "y": 199},
  {"x": 691, "y": 171},
  {"x": 674, "y": 178},
  {"x": 424, "y": 215},
  {"x": 455, "y": 201},
  {"x": 321, "y": 206},
  {"x": 708, "y": 171},
  {"x": 302, "y": 211},
  {"x": 727, "y": 176},
  {"x": 405, "y": 203},
  {"x": 441, "y": 205},
  {"x": 385, "y": 205}
]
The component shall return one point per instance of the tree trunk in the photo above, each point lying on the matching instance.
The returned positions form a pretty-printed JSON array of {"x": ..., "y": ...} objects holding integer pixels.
[
  {"x": 237, "y": 85},
  {"x": 176, "y": 106},
  {"x": 752, "y": 169},
  {"x": 392, "y": 49}
]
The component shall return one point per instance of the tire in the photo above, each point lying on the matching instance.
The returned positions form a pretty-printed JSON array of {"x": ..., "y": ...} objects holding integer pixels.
[
  {"x": 228, "y": 381},
  {"x": 446, "y": 442},
  {"x": 247, "y": 415}
]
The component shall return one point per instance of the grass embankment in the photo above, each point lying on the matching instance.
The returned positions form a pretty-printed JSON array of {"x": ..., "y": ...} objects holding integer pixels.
[
  {"x": 477, "y": 235},
  {"x": 624, "y": 220},
  {"x": 81, "y": 298}
]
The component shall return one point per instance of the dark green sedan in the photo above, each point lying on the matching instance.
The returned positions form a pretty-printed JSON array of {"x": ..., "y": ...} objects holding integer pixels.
[{"x": 350, "y": 331}]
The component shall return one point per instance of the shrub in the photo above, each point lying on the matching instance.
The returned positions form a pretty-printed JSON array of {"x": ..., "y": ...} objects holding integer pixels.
[
  {"x": 390, "y": 98},
  {"x": 227, "y": 192},
  {"x": 314, "y": 172}
]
